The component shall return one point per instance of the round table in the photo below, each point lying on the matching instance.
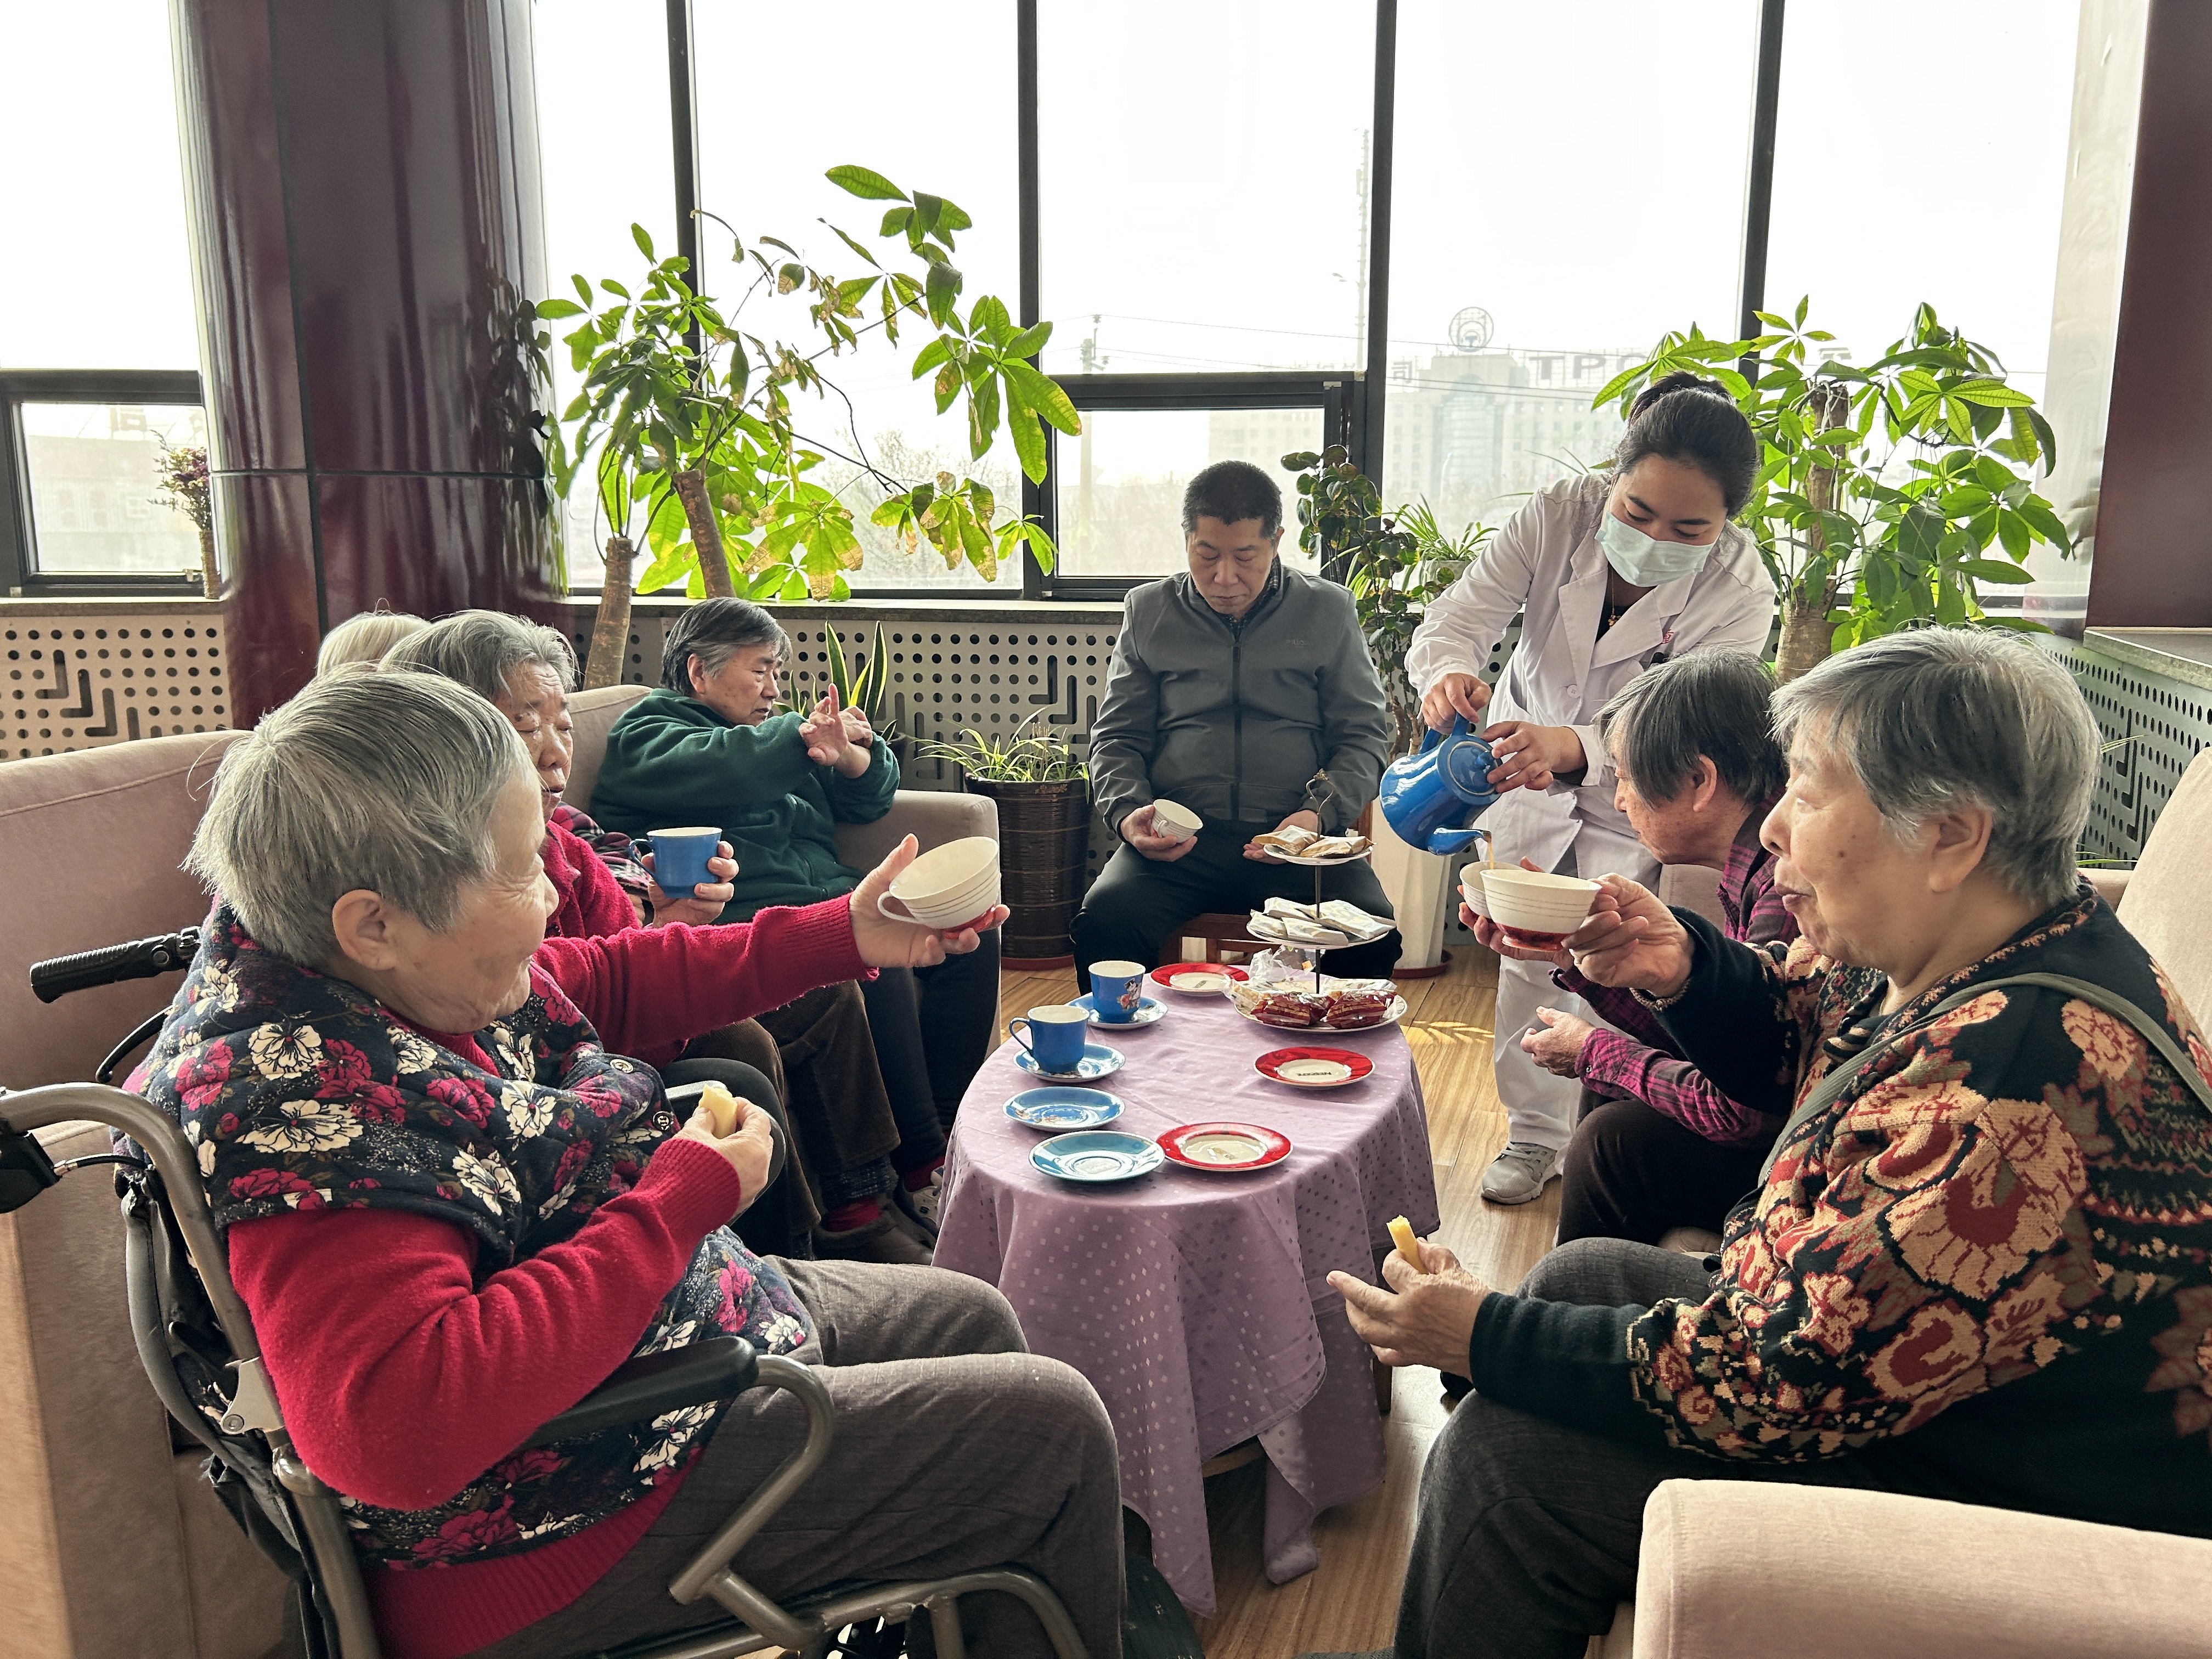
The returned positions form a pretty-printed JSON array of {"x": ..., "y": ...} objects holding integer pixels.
[{"x": 1197, "y": 1302}]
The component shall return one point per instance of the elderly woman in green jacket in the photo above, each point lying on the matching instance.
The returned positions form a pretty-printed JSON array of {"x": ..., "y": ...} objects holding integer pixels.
[{"x": 709, "y": 747}]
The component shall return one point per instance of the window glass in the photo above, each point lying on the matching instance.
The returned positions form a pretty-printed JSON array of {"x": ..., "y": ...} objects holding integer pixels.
[
  {"x": 928, "y": 100},
  {"x": 607, "y": 162},
  {"x": 1118, "y": 488},
  {"x": 98, "y": 270},
  {"x": 97, "y": 507},
  {"x": 1569, "y": 185},
  {"x": 1973, "y": 230},
  {"x": 1203, "y": 184}
]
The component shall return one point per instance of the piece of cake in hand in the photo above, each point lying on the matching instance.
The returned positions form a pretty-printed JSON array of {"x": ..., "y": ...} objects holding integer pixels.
[
  {"x": 722, "y": 1106},
  {"x": 1402, "y": 1235}
]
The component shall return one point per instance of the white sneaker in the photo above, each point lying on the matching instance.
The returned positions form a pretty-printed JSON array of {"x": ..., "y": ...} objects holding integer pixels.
[
  {"x": 924, "y": 1202},
  {"x": 1517, "y": 1174}
]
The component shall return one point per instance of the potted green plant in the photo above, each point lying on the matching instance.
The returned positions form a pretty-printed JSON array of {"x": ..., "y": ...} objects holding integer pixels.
[
  {"x": 1394, "y": 564},
  {"x": 182, "y": 473},
  {"x": 1884, "y": 489},
  {"x": 691, "y": 414},
  {"x": 1043, "y": 793}
]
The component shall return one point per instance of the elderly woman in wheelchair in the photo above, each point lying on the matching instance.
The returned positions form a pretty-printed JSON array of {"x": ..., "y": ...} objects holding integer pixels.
[{"x": 452, "y": 1213}]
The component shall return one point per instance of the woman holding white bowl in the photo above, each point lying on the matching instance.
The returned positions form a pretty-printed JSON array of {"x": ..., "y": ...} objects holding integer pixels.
[{"x": 1610, "y": 573}]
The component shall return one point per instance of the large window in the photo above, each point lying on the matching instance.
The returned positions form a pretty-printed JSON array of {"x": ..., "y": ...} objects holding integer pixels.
[
  {"x": 1569, "y": 185},
  {"x": 1867, "y": 224},
  {"x": 602, "y": 70},
  {"x": 98, "y": 335},
  {"x": 1205, "y": 182}
]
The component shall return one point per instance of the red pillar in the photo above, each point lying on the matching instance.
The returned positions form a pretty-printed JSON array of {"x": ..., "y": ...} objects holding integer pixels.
[
  {"x": 2154, "y": 556},
  {"x": 368, "y": 227}
]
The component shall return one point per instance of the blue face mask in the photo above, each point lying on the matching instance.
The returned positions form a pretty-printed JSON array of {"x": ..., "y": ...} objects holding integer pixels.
[{"x": 1644, "y": 560}]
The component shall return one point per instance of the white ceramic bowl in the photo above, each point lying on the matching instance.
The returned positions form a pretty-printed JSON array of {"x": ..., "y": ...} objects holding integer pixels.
[
  {"x": 1470, "y": 888},
  {"x": 948, "y": 886},
  {"x": 1539, "y": 906},
  {"x": 1175, "y": 820}
]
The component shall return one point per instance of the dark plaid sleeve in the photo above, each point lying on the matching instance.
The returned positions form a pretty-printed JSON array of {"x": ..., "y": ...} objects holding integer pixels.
[{"x": 614, "y": 850}]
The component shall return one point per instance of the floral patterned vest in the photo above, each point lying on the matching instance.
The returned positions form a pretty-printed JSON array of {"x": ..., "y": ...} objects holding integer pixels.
[{"x": 302, "y": 1093}]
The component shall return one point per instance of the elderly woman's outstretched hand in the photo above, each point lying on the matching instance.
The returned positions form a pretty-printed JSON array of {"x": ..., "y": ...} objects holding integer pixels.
[
  {"x": 1424, "y": 1318},
  {"x": 749, "y": 1148},
  {"x": 887, "y": 943},
  {"x": 1632, "y": 941}
]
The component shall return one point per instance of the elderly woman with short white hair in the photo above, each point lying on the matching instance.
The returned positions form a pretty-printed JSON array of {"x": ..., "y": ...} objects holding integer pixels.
[
  {"x": 1977, "y": 1266},
  {"x": 452, "y": 1213}
]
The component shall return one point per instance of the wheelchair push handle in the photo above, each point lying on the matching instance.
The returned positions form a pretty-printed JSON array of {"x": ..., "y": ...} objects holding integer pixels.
[{"x": 111, "y": 964}]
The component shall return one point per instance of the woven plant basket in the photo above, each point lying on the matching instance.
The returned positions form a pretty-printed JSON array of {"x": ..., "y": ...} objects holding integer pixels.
[{"x": 1044, "y": 832}]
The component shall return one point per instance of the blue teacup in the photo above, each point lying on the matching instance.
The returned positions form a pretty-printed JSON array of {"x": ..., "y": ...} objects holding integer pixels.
[
  {"x": 679, "y": 857},
  {"x": 1055, "y": 1036},
  {"x": 1116, "y": 989}
]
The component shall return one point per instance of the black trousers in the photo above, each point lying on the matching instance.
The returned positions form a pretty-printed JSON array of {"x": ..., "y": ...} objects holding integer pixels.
[
  {"x": 1528, "y": 1528},
  {"x": 781, "y": 1221},
  {"x": 1137, "y": 901},
  {"x": 1631, "y": 1172},
  {"x": 933, "y": 1029}
]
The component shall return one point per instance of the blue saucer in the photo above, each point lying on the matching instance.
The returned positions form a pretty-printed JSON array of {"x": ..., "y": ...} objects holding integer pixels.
[
  {"x": 1098, "y": 1060},
  {"x": 1060, "y": 1107},
  {"x": 1097, "y": 1155},
  {"x": 1148, "y": 1009}
]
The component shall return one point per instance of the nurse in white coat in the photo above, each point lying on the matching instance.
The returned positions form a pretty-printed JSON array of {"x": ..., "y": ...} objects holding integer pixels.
[{"x": 1610, "y": 573}]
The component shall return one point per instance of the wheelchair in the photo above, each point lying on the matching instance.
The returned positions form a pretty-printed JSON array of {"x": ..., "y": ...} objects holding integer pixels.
[{"x": 196, "y": 1345}]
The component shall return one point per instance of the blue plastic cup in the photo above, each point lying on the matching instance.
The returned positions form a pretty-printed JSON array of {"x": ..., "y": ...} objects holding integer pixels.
[
  {"x": 1055, "y": 1036},
  {"x": 679, "y": 857},
  {"x": 1116, "y": 989}
]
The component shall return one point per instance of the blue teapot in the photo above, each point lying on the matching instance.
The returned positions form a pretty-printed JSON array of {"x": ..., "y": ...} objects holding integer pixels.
[{"x": 1429, "y": 796}]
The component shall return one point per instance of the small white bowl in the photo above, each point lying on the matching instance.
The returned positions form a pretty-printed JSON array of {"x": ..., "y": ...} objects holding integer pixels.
[
  {"x": 1470, "y": 888},
  {"x": 1539, "y": 907},
  {"x": 948, "y": 887},
  {"x": 1175, "y": 820}
]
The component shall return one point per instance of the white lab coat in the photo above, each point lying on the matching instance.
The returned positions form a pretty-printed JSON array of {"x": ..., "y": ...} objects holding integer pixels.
[{"x": 1546, "y": 564}]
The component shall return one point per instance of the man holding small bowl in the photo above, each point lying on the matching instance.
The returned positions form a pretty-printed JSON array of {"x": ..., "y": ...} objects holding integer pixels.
[{"x": 1241, "y": 702}]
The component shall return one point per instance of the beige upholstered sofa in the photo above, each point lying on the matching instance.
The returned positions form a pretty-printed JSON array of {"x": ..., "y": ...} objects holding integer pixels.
[
  {"x": 111, "y": 1545},
  {"x": 1732, "y": 1570}
]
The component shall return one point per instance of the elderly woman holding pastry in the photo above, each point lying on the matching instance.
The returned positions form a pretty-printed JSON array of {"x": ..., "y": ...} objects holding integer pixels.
[
  {"x": 453, "y": 1207},
  {"x": 1977, "y": 1265}
]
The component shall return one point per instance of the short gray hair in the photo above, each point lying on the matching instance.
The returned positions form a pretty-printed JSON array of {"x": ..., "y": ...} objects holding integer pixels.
[
  {"x": 1713, "y": 703},
  {"x": 365, "y": 638},
  {"x": 383, "y": 781},
  {"x": 481, "y": 648},
  {"x": 1942, "y": 717},
  {"x": 714, "y": 631}
]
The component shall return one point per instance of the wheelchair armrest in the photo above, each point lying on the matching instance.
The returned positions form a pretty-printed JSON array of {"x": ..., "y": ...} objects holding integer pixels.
[{"x": 642, "y": 1389}]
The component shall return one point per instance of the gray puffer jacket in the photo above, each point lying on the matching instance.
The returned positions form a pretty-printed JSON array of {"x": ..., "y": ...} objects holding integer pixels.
[{"x": 1234, "y": 718}]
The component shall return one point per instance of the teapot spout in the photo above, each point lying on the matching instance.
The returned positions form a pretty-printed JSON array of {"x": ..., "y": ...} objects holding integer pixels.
[{"x": 1448, "y": 841}]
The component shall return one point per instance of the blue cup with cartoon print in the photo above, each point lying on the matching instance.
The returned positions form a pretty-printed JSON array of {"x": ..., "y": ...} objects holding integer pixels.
[
  {"x": 1116, "y": 989},
  {"x": 679, "y": 857},
  {"x": 1055, "y": 1036},
  {"x": 1429, "y": 797}
]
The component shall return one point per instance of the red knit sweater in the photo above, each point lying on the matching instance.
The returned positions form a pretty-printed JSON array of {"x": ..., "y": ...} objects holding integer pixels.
[{"x": 402, "y": 1378}]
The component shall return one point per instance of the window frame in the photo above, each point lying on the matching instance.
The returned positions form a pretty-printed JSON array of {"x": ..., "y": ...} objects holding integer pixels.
[
  {"x": 1339, "y": 394},
  {"x": 19, "y": 577},
  {"x": 1368, "y": 383}
]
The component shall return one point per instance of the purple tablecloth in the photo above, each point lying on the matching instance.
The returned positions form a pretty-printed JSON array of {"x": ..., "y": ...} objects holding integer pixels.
[{"x": 1197, "y": 1303}]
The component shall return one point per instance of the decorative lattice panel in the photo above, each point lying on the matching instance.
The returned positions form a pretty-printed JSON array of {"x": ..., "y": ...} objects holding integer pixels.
[
  {"x": 83, "y": 681},
  {"x": 2156, "y": 726}
]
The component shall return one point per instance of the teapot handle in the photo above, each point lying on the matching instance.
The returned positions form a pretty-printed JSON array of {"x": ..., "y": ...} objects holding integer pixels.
[{"x": 1430, "y": 737}]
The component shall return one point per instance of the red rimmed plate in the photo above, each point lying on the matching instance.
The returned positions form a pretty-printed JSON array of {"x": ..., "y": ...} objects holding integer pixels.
[
  {"x": 1313, "y": 1069},
  {"x": 1197, "y": 979},
  {"x": 1224, "y": 1148}
]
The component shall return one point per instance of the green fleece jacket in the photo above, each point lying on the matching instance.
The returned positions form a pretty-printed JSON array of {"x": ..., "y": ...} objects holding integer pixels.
[{"x": 672, "y": 761}]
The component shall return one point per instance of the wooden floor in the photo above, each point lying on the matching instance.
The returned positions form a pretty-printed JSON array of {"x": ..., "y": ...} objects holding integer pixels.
[{"x": 1349, "y": 1604}]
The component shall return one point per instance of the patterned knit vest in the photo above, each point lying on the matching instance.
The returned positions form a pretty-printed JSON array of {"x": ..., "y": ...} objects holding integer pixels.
[{"x": 299, "y": 1091}]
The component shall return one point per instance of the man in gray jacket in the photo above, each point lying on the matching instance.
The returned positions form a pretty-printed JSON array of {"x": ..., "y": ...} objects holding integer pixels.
[{"x": 1243, "y": 690}]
